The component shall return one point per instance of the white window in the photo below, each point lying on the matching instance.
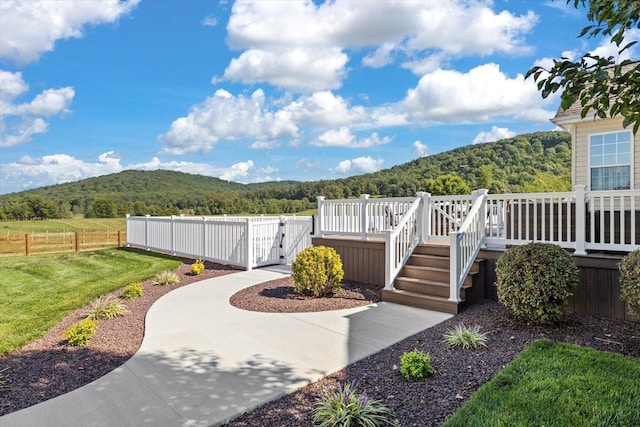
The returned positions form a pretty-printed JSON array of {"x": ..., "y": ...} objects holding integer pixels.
[{"x": 610, "y": 161}]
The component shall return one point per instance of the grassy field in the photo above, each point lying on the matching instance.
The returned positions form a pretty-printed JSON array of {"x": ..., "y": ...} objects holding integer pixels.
[
  {"x": 557, "y": 385},
  {"x": 59, "y": 225},
  {"x": 38, "y": 291}
]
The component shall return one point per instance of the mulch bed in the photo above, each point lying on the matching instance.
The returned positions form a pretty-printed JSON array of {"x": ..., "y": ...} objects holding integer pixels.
[
  {"x": 278, "y": 296},
  {"x": 47, "y": 368},
  {"x": 459, "y": 372}
]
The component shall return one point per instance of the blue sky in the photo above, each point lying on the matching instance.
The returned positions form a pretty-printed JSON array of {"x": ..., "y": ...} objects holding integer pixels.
[{"x": 268, "y": 90}]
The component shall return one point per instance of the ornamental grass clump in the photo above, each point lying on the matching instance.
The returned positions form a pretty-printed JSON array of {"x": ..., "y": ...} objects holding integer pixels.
[
  {"x": 166, "y": 278},
  {"x": 80, "y": 332},
  {"x": 630, "y": 282},
  {"x": 197, "y": 267},
  {"x": 132, "y": 291},
  {"x": 346, "y": 407},
  {"x": 105, "y": 307},
  {"x": 465, "y": 337},
  {"x": 416, "y": 365},
  {"x": 535, "y": 280},
  {"x": 317, "y": 271}
]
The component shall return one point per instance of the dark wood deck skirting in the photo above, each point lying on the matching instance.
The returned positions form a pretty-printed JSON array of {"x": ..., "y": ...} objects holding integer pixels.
[{"x": 598, "y": 292}]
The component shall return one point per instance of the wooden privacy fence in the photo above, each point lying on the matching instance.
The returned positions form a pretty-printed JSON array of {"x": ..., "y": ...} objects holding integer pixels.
[{"x": 53, "y": 243}]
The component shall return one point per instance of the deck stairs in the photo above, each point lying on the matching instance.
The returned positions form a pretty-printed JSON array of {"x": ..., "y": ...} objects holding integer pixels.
[{"x": 424, "y": 281}]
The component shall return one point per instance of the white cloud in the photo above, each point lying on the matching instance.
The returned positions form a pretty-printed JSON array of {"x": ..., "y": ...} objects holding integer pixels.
[
  {"x": 209, "y": 21},
  {"x": 482, "y": 93},
  {"x": 344, "y": 138},
  {"x": 607, "y": 48},
  {"x": 31, "y": 28},
  {"x": 29, "y": 172},
  {"x": 304, "y": 46},
  {"x": 19, "y": 122},
  {"x": 420, "y": 149},
  {"x": 494, "y": 134},
  {"x": 358, "y": 165},
  {"x": 228, "y": 117},
  {"x": 324, "y": 109},
  {"x": 302, "y": 69}
]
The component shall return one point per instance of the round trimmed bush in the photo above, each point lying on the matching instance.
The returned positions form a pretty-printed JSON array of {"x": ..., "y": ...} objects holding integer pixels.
[
  {"x": 630, "y": 282},
  {"x": 535, "y": 280},
  {"x": 317, "y": 271}
]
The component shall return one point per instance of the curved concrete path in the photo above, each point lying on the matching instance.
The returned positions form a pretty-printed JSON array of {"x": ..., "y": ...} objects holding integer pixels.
[{"x": 203, "y": 362}]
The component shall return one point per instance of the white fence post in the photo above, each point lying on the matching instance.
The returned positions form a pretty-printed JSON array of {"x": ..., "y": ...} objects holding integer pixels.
[
  {"x": 363, "y": 216},
  {"x": 250, "y": 245},
  {"x": 426, "y": 216},
  {"x": 146, "y": 232},
  {"x": 320, "y": 223},
  {"x": 204, "y": 238},
  {"x": 389, "y": 257},
  {"x": 281, "y": 228},
  {"x": 422, "y": 216},
  {"x": 581, "y": 220},
  {"x": 173, "y": 236}
]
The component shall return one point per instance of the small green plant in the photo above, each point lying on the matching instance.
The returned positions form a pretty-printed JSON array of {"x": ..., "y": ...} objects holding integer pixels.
[
  {"x": 465, "y": 337},
  {"x": 317, "y": 271},
  {"x": 132, "y": 291},
  {"x": 166, "y": 278},
  {"x": 535, "y": 280},
  {"x": 415, "y": 365},
  {"x": 3, "y": 382},
  {"x": 80, "y": 332},
  {"x": 105, "y": 307},
  {"x": 346, "y": 407},
  {"x": 630, "y": 282},
  {"x": 197, "y": 267}
]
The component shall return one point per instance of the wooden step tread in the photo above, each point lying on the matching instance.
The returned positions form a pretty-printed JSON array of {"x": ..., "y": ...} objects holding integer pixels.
[
  {"x": 434, "y": 269},
  {"x": 415, "y": 299},
  {"x": 430, "y": 282}
]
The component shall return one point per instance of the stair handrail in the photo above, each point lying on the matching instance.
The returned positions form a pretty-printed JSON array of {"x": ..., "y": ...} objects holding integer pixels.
[
  {"x": 402, "y": 240},
  {"x": 466, "y": 243}
]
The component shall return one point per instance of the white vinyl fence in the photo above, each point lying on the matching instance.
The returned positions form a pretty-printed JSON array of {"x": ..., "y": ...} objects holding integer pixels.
[{"x": 246, "y": 242}]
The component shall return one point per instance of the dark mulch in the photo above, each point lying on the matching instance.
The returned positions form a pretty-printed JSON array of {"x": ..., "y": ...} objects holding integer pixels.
[
  {"x": 278, "y": 296},
  {"x": 459, "y": 372}
]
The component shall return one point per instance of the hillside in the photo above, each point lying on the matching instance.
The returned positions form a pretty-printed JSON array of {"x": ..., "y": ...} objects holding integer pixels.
[{"x": 539, "y": 161}]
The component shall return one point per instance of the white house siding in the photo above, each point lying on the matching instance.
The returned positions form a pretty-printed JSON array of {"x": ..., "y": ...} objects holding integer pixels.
[{"x": 582, "y": 132}]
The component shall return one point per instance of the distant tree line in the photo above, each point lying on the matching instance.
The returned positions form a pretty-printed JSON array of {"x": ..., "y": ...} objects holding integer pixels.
[{"x": 527, "y": 163}]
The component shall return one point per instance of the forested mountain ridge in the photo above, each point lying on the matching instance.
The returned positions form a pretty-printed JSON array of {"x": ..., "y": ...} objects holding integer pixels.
[{"x": 532, "y": 162}]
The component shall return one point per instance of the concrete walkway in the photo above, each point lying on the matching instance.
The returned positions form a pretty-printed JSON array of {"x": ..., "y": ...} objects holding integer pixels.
[{"x": 203, "y": 362}]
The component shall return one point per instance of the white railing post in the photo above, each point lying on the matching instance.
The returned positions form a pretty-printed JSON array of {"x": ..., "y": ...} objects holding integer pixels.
[
  {"x": 127, "y": 229},
  {"x": 173, "y": 236},
  {"x": 364, "y": 217},
  {"x": 204, "y": 238},
  {"x": 581, "y": 220},
  {"x": 424, "y": 218},
  {"x": 454, "y": 266},
  {"x": 249, "y": 242},
  {"x": 389, "y": 257},
  {"x": 320, "y": 223}
]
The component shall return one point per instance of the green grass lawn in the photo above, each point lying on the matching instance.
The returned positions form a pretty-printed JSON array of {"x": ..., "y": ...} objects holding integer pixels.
[
  {"x": 558, "y": 385},
  {"x": 60, "y": 225},
  {"x": 38, "y": 291}
]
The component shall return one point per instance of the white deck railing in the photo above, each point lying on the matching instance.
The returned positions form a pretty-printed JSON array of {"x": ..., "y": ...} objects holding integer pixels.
[
  {"x": 246, "y": 242},
  {"x": 577, "y": 220},
  {"x": 465, "y": 243},
  {"x": 401, "y": 241},
  {"x": 362, "y": 217}
]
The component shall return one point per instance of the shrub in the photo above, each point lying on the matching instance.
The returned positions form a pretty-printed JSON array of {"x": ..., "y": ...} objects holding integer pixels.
[
  {"x": 415, "y": 365},
  {"x": 535, "y": 280},
  {"x": 317, "y": 271},
  {"x": 132, "y": 291},
  {"x": 347, "y": 407},
  {"x": 106, "y": 307},
  {"x": 166, "y": 278},
  {"x": 462, "y": 336},
  {"x": 197, "y": 267},
  {"x": 80, "y": 332},
  {"x": 630, "y": 282}
]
